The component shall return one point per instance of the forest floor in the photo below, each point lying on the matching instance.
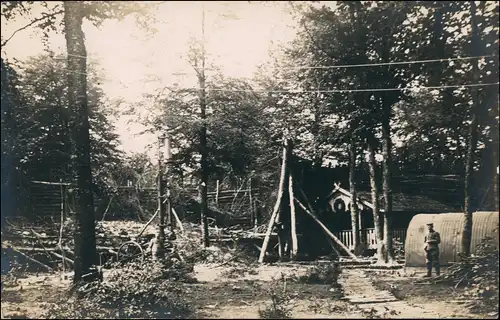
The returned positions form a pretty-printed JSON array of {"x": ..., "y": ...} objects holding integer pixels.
[
  {"x": 242, "y": 291},
  {"x": 229, "y": 284}
]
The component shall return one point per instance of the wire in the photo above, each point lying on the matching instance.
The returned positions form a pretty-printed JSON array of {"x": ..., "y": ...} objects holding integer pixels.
[
  {"x": 354, "y": 90},
  {"x": 375, "y": 64},
  {"x": 390, "y": 63}
]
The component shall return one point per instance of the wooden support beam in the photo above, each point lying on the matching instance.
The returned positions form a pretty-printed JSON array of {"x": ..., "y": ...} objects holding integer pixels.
[
  {"x": 325, "y": 229},
  {"x": 295, "y": 245},
  {"x": 276, "y": 208},
  {"x": 179, "y": 222}
]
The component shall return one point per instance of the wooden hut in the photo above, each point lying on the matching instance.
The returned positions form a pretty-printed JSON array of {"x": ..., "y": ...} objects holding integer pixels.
[{"x": 449, "y": 225}]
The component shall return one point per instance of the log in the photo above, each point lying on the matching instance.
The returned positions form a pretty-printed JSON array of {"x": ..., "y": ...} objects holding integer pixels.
[
  {"x": 32, "y": 260},
  {"x": 325, "y": 229},
  {"x": 275, "y": 209},
  {"x": 295, "y": 245}
]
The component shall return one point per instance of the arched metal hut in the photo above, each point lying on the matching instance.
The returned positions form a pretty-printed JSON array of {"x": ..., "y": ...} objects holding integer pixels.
[{"x": 449, "y": 226}]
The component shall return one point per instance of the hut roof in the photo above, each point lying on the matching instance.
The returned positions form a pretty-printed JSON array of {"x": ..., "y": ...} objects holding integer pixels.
[
  {"x": 405, "y": 202},
  {"x": 401, "y": 202}
]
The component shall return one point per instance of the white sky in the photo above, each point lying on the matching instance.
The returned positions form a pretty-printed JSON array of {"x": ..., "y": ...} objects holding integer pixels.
[{"x": 127, "y": 57}]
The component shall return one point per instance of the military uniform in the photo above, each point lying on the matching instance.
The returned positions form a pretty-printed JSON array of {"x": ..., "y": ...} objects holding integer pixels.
[{"x": 432, "y": 241}]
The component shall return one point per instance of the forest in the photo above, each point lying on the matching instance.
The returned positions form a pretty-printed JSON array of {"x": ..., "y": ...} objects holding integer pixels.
[{"x": 382, "y": 89}]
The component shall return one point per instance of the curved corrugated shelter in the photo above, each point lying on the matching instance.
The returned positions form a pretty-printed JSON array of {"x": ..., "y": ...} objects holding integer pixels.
[{"x": 449, "y": 226}]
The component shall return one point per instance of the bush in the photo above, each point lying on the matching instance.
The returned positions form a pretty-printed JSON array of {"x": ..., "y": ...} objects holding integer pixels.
[
  {"x": 281, "y": 302},
  {"x": 139, "y": 290},
  {"x": 478, "y": 274}
]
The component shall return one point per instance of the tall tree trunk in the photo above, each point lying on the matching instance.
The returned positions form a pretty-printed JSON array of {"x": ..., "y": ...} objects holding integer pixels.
[
  {"x": 472, "y": 144},
  {"x": 354, "y": 202},
  {"x": 203, "y": 143},
  {"x": 85, "y": 242},
  {"x": 387, "y": 176},
  {"x": 8, "y": 141},
  {"x": 375, "y": 196},
  {"x": 159, "y": 248},
  {"x": 495, "y": 155}
]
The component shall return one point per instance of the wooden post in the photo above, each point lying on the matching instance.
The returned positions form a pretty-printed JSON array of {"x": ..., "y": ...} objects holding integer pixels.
[
  {"x": 295, "y": 245},
  {"x": 250, "y": 196},
  {"x": 325, "y": 229},
  {"x": 217, "y": 193},
  {"x": 274, "y": 215}
]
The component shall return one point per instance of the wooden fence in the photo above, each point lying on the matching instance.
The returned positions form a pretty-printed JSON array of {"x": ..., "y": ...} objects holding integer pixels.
[
  {"x": 369, "y": 234},
  {"x": 52, "y": 198}
]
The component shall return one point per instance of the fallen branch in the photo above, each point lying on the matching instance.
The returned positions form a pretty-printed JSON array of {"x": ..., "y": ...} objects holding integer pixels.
[
  {"x": 150, "y": 220},
  {"x": 325, "y": 229},
  {"x": 31, "y": 259},
  {"x": 40, "y": 241}
]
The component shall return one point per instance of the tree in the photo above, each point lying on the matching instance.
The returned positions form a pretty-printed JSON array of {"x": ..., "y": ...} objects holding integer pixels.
[
  {"x": 85, "y": 242},
  {"x": 73, "y": 15}
]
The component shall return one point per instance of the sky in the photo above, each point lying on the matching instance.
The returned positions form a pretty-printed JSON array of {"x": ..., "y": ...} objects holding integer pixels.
[{"x": 238, "y": 35}]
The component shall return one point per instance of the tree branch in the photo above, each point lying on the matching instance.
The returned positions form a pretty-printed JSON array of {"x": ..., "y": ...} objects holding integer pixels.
[
  {"x": 311, "y": 37},
  {"x": 31, "y": 24}
]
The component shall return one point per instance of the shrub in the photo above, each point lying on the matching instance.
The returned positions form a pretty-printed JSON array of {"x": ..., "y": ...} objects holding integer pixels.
[
  {"x": 281, "y": 302},
  {"x": 138, "y": 290}
]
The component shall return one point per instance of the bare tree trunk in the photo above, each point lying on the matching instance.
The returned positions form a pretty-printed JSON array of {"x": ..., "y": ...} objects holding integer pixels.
[
  {"x": 85, "y": 241},
  {"x": 473, "y": 136},
  {"x": 203, "y": 146},
  {"x": 168, "y": 177},
  {"x": 387, "y": 176},
  {"x": 354, "y": 202},
  {"x": 375, "y": 195},
  {"x": 159, "y": 248}
]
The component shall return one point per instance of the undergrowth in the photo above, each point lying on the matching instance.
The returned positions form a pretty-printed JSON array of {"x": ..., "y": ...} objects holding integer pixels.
[
  {"x": 281, "y": 301},
  {"x": 478, "y": 274},
  {"x": 138, "y": 290}
]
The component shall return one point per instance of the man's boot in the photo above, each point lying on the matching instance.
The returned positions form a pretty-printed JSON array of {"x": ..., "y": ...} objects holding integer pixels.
[
  {"x": 438, "y": 270},
  {"x": 429, "y": 269}
]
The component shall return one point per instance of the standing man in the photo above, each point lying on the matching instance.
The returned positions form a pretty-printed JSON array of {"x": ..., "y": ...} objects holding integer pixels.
[{"x": 432, "y": 241}]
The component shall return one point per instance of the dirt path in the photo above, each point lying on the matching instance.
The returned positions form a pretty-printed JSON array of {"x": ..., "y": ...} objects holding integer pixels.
[
  {"x": 242, "y": 296},
  {"x": 360, "y": 292}
]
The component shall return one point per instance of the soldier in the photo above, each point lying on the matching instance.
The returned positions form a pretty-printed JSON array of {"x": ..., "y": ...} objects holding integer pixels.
[{"x": 432, "y": 241}]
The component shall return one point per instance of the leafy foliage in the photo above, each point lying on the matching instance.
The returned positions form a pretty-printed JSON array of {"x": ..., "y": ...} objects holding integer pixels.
[
  {"x": 42, "y": 140},
  {"x": 136, "y": 291}
]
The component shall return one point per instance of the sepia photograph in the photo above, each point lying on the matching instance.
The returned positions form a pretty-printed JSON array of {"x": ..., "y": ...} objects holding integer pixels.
[{"x": 250, "y": 159}]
